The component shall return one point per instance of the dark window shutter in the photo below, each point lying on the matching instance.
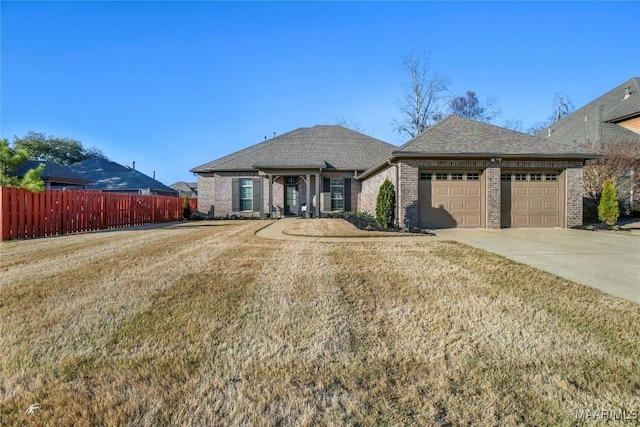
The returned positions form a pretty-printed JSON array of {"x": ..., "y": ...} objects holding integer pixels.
[
  {"x": 257, "y": 194},
  {"x": 326, "y": 194},
  {"x": 235, "y": 194},
  {"x": 347, "y": 194}
]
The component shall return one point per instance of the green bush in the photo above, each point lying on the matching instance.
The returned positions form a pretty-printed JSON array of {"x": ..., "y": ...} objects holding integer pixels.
[
  {"x": 609, "y": 208},
  {"x": 386, "y": 205},
  {"x": 186, "y": 207}
]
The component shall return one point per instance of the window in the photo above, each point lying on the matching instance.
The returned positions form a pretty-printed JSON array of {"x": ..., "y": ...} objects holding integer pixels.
[
  {"x": 473, "y": 177},
  {"x": 551, "y": 177},
  {"x": 536, "y": 177},
  {"x": 425, "y": 176},
  {"x": 337, "y": 194},
  {"x": 521, "y": 176},
  {"x": 246, "y": 194},
  {"x": 442, "y": 176},
  {"x": 456, "y": 176},
  {"x": 505, "y": 177}
]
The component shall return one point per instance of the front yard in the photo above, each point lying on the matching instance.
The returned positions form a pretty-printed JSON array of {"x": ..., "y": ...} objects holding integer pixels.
[{"x": 206, "y": 324}]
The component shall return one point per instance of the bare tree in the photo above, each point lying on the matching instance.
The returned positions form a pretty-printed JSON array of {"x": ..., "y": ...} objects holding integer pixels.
[
  {"x": 621, "y": 164},
  {"x": 562, "y": 106},
  {"x": 470, "y": 107},
  {"x": 421, "y": 105},
  {"x": 350, "y": 124},
  {"x": 513, "y": 124}
]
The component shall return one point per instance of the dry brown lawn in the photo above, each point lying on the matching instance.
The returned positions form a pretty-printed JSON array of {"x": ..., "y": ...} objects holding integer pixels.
[
  {"x": 207, "y": 324},
  {"x": 330, "y": 227}
]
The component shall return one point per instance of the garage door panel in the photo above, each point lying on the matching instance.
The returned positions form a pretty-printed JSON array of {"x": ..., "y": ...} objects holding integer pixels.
[
  {"x": 447, "y": 203},
  {"x": 473, "y": 191},
  {"x": 527, "y": 203},
  {"x": 441, "y": 191}
]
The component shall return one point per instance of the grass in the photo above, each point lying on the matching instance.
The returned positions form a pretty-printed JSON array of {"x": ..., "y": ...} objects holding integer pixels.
[
  {"x": 331, "y": 227},
  {"x": 205, "y": 323}
]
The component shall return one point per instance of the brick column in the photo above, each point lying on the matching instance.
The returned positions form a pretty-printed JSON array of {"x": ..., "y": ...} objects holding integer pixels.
[
  {"x": 492, "y": 199},
  {"x": 574, "y": 195},
  {"x": 408, "y": 212}
]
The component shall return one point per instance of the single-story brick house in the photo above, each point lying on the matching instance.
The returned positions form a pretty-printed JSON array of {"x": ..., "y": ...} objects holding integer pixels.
[{"x": 458, "y": 173}]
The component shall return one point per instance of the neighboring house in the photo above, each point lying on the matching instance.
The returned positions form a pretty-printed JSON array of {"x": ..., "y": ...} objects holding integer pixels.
[
  {"x": 189, "y": 189},
  {"x": 612, "y": 118},
  {"x": 610, "y": 124},
  {"x": 458, "y": 173},
  {"x": 109, "y": 176},
  {"x": 55, "y": 177}
]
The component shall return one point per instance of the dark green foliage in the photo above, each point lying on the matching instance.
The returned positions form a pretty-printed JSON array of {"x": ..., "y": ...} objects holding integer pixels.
[
  {"x": 62, "y": 151},
  {"x": 386, "y": 205},
  {"x": 186, "y": 207},
  {"x": 609, "y": 209},
  {"x": 11, "y": 160}
]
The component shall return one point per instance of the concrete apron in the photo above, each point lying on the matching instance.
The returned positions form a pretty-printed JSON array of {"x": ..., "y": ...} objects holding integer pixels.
[{"x": 606, "y": 261}]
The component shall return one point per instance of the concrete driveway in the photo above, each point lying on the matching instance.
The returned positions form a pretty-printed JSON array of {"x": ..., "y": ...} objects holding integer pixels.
[{"x": 603, "y": 260}]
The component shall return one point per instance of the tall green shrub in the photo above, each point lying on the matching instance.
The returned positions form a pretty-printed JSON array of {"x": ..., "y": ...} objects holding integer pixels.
[
  {"x": 186, "y": 207},
  {"x": 608, "y": 209},
  {"x": 386, "y": 205}
]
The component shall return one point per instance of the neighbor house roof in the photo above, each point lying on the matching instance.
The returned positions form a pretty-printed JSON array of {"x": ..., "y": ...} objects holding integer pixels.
[
  {"x": 111, "y": 176},
  {"x": 596, "y": 122},
  {"x": 183, "y": 187},
  {"x": 52, "y": 173},
  {"x": 326, "y": 146},
  {"x": 458, "y": 137}
]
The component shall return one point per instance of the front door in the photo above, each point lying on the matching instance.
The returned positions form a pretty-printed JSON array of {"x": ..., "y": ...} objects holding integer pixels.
[{"x": 291, "y": 200}]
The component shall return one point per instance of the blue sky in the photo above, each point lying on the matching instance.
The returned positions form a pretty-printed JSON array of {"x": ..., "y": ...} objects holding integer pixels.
[{"x": 172, "y": 85}]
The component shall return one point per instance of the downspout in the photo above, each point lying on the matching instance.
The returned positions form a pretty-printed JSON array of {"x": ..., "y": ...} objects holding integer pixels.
[{"x": 397, "y": 190}]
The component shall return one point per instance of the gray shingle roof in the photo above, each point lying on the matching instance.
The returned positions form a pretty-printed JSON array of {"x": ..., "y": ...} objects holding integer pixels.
[
  {"x": 460, "y": 136},
  {"x": 595, "y": 122},
  {"x": 52, "y": 172},
  {"x": 327, "y": 146},
  {"x": 111, "y": 176}
]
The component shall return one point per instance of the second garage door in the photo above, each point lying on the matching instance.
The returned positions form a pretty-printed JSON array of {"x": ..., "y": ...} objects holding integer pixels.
[
  {"x": 450, "y": 199},
  {"x": 530, "y": 199}
]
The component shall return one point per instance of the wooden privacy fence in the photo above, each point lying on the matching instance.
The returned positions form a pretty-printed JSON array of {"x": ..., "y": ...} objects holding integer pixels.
[{"x": 27, "y": 215}]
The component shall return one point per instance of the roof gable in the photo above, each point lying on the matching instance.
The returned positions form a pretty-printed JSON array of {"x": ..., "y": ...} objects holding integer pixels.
[
  {"x": 457, "y": 135},
  {"x": 327, "y": 146}
]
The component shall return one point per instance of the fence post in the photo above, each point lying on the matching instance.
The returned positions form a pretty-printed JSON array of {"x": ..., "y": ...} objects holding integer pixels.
[{"x": 4, "y": 213}]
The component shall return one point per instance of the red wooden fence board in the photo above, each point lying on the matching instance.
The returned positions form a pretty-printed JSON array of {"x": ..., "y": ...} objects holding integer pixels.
[{"x": 26, "y": 215}]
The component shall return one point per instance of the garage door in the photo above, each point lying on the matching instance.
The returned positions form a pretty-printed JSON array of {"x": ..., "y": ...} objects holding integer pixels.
[
  {"x": 530, "y": 199},
  {"x": 449, "y": 199}
]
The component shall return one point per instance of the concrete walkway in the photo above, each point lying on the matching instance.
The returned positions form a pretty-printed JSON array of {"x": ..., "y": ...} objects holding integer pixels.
[{"x": 606, "y": 261}]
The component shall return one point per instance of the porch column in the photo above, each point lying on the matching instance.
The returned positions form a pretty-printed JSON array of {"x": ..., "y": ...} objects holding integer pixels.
[
  {"x": 317, "y": 175},
  {"x": 308, "y": 210},
  {"x": 270, "y": 196}
]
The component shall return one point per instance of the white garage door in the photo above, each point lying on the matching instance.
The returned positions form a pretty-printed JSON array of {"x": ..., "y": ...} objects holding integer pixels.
[
  {"x": 530, "y": 199},
  {"x": 450, "y": 199}
]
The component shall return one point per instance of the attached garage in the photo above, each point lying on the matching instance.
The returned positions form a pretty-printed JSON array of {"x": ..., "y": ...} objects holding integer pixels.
[
  {"x": 450, "y": 199},
  {"x": 530, "y": 199}
]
